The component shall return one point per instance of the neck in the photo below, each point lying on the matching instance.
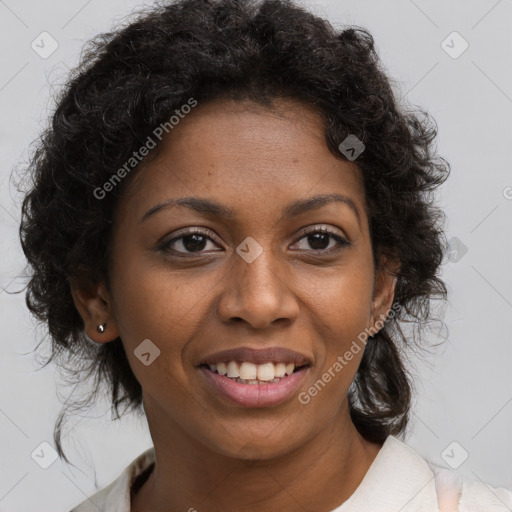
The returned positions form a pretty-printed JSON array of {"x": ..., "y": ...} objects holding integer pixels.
[{"x": 319, "y": 475}]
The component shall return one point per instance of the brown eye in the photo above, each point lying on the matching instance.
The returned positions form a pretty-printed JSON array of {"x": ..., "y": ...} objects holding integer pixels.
[
  {"x": 189, "y": 242},
  {"x": 320, "y": 238}
]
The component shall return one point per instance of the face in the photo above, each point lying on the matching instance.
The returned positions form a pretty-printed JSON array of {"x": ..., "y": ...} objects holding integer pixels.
[{"x": 178, "y": 280}]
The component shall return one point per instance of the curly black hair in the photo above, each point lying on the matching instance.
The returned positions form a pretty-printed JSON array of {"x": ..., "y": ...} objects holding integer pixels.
[{"x": 132, "y": 79}]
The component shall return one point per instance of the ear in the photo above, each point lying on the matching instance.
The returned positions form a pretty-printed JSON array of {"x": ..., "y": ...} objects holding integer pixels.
[
  {"x": 384, "y": 288},
  {"x": 94, "y": 304}
]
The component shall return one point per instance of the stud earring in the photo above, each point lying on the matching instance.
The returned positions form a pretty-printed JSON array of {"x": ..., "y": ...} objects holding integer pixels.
[{"x": 101, "y": 327}]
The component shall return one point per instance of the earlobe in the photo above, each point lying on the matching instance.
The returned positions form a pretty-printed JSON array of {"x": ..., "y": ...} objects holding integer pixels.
[{"x": 95, "y": 307}]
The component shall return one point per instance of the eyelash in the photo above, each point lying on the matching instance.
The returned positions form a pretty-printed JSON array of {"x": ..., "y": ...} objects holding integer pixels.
[{"x": 206, "y": 234}]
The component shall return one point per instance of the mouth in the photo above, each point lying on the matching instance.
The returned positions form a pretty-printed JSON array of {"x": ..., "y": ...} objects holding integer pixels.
[{"x": 253, "y": 392}]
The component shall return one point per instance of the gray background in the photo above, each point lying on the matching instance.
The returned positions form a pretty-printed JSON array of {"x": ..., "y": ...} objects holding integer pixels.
[{"x": 464, "y": 388}]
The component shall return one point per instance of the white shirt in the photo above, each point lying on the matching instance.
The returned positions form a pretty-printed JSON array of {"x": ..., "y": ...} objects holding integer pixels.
[{"x": 399, "y": 480}]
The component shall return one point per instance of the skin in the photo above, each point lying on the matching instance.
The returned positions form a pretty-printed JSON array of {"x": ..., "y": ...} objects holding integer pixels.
[{"x": 212, "y": 455}]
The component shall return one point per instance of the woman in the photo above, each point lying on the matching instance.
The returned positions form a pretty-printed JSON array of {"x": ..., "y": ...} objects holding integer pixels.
[{"x": 233, "y": 208}]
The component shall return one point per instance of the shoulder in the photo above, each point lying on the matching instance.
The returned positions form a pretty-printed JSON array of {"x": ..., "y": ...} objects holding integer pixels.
[
  {"x": 468, "y": 495},
  {"x": 476, "y": 496},
  {"x": 439, "y": 486},
  {"x": 116, "y": 496}
]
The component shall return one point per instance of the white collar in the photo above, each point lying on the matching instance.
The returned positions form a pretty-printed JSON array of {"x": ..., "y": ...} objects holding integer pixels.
[{"x": 399, "y": 480}]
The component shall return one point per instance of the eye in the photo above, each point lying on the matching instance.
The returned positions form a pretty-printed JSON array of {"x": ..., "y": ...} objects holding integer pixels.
[
  {"x": 192, "y": 241},
  {"x": 318, "y": 239}
]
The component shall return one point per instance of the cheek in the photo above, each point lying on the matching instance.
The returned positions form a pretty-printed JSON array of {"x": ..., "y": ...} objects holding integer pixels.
[
  {"x": 156, "y": 303},
  {"x": 340, "y": 311},
  {"x": 153, "y": 307},
  {"x": 159, "y": 298},
  {"x": 342, "y": 298}
]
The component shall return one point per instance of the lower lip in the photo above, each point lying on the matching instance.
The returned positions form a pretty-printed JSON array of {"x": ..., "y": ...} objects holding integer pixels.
[{"x": 255, "y": 395}]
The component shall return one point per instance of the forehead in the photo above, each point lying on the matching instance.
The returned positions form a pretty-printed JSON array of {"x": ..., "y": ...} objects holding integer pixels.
[{"x": 247, "y": 156}]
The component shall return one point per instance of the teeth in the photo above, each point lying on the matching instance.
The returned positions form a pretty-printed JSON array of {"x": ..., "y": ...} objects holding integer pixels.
[
  {"x": 289, "y": 368},
  {"x": 248, "y": 371},
  {"x": 280, "y": 370},
  {"x": 233, "y": 369},
  {"x": 265, "y": 371},
  {"x": 253, "y": 372}
]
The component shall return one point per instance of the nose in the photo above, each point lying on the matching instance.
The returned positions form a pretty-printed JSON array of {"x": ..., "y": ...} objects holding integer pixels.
[{"x": 259, "y": 293}]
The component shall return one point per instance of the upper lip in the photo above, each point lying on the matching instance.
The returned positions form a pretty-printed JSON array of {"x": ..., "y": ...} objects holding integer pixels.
[{"x": 257, "y": 356}]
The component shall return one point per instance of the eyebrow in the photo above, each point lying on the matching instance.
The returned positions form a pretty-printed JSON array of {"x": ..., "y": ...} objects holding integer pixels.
[{"x": 209, "y": 207}]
